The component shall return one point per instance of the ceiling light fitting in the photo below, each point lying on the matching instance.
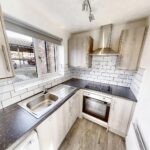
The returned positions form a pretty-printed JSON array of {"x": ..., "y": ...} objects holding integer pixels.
[{"x": 86, "y": 6}]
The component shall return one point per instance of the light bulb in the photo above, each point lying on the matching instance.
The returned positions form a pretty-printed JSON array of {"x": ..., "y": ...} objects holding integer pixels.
[
  {"x": 91, "y": 17},
  {"x": 85, "y": 5}
]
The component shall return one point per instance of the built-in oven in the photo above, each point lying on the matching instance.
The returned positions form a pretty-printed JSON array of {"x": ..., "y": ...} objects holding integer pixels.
[{"x": 97, "y": 106}]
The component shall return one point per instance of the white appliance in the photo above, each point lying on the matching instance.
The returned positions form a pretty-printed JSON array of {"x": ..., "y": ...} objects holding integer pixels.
[{"x": 30, "y": 143}]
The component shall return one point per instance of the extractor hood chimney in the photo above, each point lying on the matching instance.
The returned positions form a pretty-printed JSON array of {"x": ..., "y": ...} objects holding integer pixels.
[{"x": 105, "y": 40}]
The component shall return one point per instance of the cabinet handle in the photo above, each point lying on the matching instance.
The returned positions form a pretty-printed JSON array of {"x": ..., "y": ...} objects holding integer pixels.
[{"x": 5, "y": 57}]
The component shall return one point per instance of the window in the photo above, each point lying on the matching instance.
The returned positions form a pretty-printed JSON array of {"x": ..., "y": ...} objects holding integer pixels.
[
  {"x": 33, "y": 52},
  {"x": 22, "y": 56},
  {"x": 31, "y": 57},
  {"x": 48, "y": 56},
  {"x": 52, "y": 57}
]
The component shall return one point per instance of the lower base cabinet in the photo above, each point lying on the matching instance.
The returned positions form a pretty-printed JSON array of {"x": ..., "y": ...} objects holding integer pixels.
[
  {"x": 120, "y": 116},
  {"x": 53, "y": 130},
  {"x": 29, "y": 143}
]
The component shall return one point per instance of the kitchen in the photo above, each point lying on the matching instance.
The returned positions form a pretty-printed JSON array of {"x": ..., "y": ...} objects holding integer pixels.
[{"x": 74, "y": 79}]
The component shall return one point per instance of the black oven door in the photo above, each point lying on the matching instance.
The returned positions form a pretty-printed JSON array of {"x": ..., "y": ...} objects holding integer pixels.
[{"x": 96, "y": 108}]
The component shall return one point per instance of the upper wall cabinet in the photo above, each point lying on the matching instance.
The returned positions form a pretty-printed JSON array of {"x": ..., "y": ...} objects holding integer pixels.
[
  {"x": 6, "y": 69},
  {"x": 131, "y": 42},
  {"x": 79, "y": 50}
]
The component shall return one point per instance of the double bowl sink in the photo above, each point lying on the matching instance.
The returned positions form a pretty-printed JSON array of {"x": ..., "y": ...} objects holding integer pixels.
[{"x": 41, "y": 103}]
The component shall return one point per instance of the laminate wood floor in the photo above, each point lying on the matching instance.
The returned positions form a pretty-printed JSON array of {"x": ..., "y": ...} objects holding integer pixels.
[{"x": 85, "y": 135}]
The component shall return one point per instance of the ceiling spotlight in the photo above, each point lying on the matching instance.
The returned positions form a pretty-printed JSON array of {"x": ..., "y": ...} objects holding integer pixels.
[
  {"x": 87, "y": 6},
  {"x": 91, "y": 17}
]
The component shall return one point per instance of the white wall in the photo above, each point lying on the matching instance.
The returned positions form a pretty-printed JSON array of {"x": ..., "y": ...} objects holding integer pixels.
[
  {"x": 25, "y": 12},
  {"x": 143, "y": 106}
]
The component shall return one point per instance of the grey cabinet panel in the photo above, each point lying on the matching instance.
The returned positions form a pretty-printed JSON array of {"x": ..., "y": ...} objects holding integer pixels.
[
  {"x": 79, "y": 50},
  {"x": 6, "y": 69},
  {"x": 120, "y": 115},
  {"x": 131, "y": 42}
]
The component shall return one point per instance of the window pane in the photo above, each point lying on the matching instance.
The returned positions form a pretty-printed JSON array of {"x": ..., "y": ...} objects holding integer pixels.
[
  {"x": 46, "y": 54},
  {"x": 42, "y": 56},
  {"x": 22, "y": 56},
  {"x": 51, "y": 57}
]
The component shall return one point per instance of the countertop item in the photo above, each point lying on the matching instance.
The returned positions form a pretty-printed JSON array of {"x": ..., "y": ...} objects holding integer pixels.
[
  {"x": 15, "y": 122},
  {"x": 120, "y": 91}
]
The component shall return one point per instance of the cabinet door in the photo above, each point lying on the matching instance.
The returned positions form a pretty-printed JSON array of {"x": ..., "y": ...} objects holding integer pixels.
[
  {"x": 79, "y": 49},
  {"x": 29, "y": 143},
  {"x": 120, "y": 115},
  {"x": 74, "y": 108},
  {"x": 71, "y": 111},
  {"x": 45, "y": 134},
  {"x": 53, "y": 130},
  {"x": 5, "y": 61},
  {"x": 131, "y": 42},
  {"x": 72, "y": 52}
]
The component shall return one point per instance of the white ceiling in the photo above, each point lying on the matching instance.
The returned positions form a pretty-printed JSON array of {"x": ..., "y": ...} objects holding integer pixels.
[{"x": 68, "y": 13}]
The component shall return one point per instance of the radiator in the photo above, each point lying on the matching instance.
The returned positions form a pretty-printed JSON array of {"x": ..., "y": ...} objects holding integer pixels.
[{"x": 139, "y": 137}]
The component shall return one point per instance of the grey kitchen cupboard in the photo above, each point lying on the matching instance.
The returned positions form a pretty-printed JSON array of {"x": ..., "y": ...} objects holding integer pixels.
[
  {"x": 53, "y": 130},
  {"x": 120, "y": 115},
  {"x": 29, "y": 143},
  {"x": 6, "y": 69},
  {"x": 130, "y": 48},
  {"x": 79, "y": 50},
  {"x": 74, "y": 107}
]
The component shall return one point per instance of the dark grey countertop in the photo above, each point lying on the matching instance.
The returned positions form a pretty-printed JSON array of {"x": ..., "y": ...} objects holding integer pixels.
[
  {"x": 16, "y": 122},
  {"x": 124, "y": 92}
]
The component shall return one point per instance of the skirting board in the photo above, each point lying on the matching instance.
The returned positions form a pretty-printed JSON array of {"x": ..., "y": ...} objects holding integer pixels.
[{"x": 117, "y": 132}]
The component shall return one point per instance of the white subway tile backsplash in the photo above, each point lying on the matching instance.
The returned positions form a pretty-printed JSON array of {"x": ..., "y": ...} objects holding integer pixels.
[
  {"x": 3, "y": 83},
  {"x": 104, "y": 70},
  {"x": 10, "y": 101},
  {"x": 6, "y": 88},
  {"x": 38, "y": 90},
  {"x": 16, "y": 93},
  {"x": 32, "y": 88},
  {"x": 136, "y": 82},
  {"x": 27, "y": 94},
  {"x": 48, "y": 85},
  {"x": 5, "y": 96}
]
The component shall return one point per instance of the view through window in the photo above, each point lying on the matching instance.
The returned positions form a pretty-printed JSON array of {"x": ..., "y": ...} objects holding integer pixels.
[{"x": 23, "y": 55}]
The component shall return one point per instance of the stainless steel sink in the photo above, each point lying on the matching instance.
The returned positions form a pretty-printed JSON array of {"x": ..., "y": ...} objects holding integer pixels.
[
  {"x": 42, "y": 102},
  {"x": 39, "y": 104}
]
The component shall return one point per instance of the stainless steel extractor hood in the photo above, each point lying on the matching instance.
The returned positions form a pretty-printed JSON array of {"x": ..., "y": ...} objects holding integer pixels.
[{"x": 105, "y": 40}]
